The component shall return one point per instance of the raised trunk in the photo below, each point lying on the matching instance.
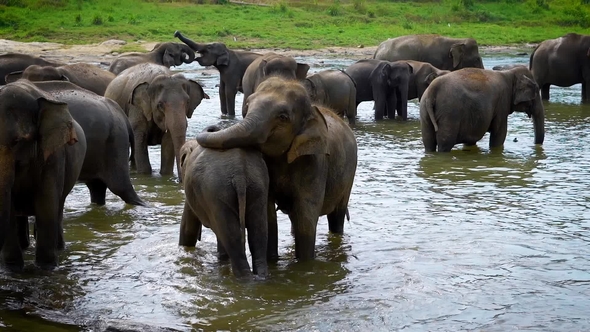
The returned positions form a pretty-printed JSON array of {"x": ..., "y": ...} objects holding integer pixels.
[
  {"x": 191, "y": 55},
  {"x": 539, "y": 121},
  {"x": 195, "y": 46},
  {"x": 6, "y": 183},
  {"x": 248, "y": 132}
]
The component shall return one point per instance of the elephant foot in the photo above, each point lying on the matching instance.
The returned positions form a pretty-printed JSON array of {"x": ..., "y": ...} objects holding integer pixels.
[{"x": 13, "y": 261}]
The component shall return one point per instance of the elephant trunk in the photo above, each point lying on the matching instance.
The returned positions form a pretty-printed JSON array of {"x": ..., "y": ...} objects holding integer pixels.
[
  {"x": 248, "y": 132},
  {"x": 177, "y": 125},
  {"x": 539, "y": 121},
  {"x": 188, "y": 55},
  {"x": 195, "y": 46},
  {"x": 6, "y": 183}
]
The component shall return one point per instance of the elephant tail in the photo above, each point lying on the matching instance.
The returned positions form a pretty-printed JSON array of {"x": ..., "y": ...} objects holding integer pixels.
[
  {"x": 532, "y": 55},
  {"x": 241, "y": 188},
  {"x": 428, "y": 105}
]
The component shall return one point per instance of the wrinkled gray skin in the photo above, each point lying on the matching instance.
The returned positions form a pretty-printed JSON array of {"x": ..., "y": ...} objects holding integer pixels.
[
  {"x": 422, "y": 75},
  {"x": 384, "y": 82},
  {"x": 12, "y": 62},
  {"x": 166, "y": 54},
  {"x": 334, "y": 89},
  {"x": 42, "y": 150},
  {"x": 227, "y": 204},
  {"x": 563, "y": 61},
  {"x": 108, "y": 139},
  {"x": 231, "y": 65},
  {"x": 311, "y": 155},
  {"x": 158, "y": 104},
  {"x": 460, "y": 107},
  {"x": 84, "y": 75},
  {"x": 270, "y": 64},
  {"x": 442, "y": 52}
]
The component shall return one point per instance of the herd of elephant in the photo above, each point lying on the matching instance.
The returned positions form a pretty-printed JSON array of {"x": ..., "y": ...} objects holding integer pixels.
[{"x": 293, "y": 151}]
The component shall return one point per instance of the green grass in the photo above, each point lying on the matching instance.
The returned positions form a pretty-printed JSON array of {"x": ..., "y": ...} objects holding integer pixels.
[{"x": 295, "y": 24}]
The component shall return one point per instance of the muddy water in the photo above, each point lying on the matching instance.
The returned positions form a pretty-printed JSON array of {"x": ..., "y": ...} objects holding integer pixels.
[{"x": 468, "y": 240}]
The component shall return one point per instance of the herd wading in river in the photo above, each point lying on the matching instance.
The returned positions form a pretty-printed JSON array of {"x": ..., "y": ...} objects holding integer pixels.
[{"x": 293, "y": 151}]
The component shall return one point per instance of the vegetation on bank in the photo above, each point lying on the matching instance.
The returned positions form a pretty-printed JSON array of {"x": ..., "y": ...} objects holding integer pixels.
[{"x": 297, "y": 24}]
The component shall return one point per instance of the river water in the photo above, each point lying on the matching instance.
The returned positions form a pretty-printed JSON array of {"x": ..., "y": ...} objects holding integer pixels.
[{"x": 469, "y": 240}]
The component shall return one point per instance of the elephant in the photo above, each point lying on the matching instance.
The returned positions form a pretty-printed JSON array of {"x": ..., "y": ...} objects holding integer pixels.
[
  {"x": 227, "y": 207},
  {"x": 11, "y": 62},
  {"x": 42, "y": 150},
  {"x": 311, "y": 155},
  {"x": 267, "y": 65},
  {"x": 460, "y": 107},
  {"x": 442, "y": 52},
  {"x": 108, "y": 139},
  {"x": 423, "y": 73},
  {"x": 508, "y": 67},
  {"x": 384, "y": 82},
  {"x": 563, "y": 61},
  {"x": 84, "y": 75},
  {"x": 158, "y": 104},
  {"x": 231, "y": 64},
  {"x": 166, "y": 54},
  {"x": 334, "y": 89}
]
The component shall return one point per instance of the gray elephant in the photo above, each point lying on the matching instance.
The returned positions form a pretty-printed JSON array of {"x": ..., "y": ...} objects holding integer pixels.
[
  {"x": 42, "y": 150},
  {"x": 227, "y": 207},
  {"x": 563, "y": 61},
  {"x": 442, "y": 52},
  {"x": 460, "y": 107},
  {"x": 384, "y": 82},
  {"x": 423, "y": 73},
  {"x": 11, "y": 62},
  {"x": 84, "y": 75},
  {"x": 334, "y": 89},
  {"x": 108, "y": 139},
  {"x": 508, "y": 67},
  {"x": 231, "y": 64},
  {"x": 267, "y": 65},
  {"x": 166, "y": 54},
  {"x": 158, "y": 104},
  {"x": 311, "y": 155}
]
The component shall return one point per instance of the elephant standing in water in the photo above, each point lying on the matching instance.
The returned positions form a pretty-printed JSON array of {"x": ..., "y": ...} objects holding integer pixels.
[
  {"x": 311, "y": 155},
  {"x": 228, "y": 207},
  {"x": 423, "y": 74},
  {"x": 460, "y": 107},
  {"x": 231, "y": 65},
  {"x": 384, "y": 82},
  {"x": 334, "y": 89},
  {"x": 158, "y": 104},
  {"x": 165, "y": 54},
  {"x": 11, "y": 62},
  {"x": 563, "y": 61},
  {"x": 84, "y": 75},
  {"x": 442, "y": 52},
  {"x": 42, "y": 150}
]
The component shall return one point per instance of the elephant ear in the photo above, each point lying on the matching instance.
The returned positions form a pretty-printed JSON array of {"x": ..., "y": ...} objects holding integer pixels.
[
  {"x": 411, "y": 68},
  {"x": 196, "y": 95},
  {"x": 140, "y": 98},
  {"x": 301, "y": 72},
  {"x": 313, "y": 139},
  {"x": 168, "y": 59},
  {"x": 385, "y": 73},
  {"x": 14, "y": 76},
  {"x": 430, "y": 78},
  {"x": 223, "y": 58},
  {"x": 525, "y": 89},
  {"x": 456, "y": 53},
  {"x": 311, "y": 88},
  {"x": 56, "y": 126}
]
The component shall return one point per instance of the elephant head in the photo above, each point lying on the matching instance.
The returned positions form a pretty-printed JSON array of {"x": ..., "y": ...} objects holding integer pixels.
[
  {"x": 214, "y": 54},
  {"x": 465, "y": 55},
  {"x": 285, "y": 66},
  {"x": 526, "y": 99},
  {"x": 281, "y": 122},
  {"x": 169, "y": 101},
  {"x": 38, "y": 73},
  {"x": 173, "y": 54},
  {"x": 33, "y": 127}
]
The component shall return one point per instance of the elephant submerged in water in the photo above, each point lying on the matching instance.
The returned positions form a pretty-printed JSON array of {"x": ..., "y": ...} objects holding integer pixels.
[{"x": 460, "y": 107}]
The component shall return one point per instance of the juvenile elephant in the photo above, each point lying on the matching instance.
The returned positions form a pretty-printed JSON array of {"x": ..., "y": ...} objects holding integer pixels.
[
  {"x": 158, "y": 105},
  {"x": 42, "y": 150},
  {"x": 11, "y": 62},
  {"x": 442, "y": 52},
  {"x": 165, "y": 54},
  {"x": 270, "y": 64},
  {"x": 384, "y": 82},
  {"x": 108, "y": 139},
  {"x": 311, "y": 155},
  {"x": 231, "y": 65},
  {"x": 84, "y": 75},
  {"x": 228, "y": 207},
  {"x": 423, "y": 74},
  {"x": 460, "y": 107},
  {"x": 334, "y": 89},
  {"x": 563, "y": 61}
]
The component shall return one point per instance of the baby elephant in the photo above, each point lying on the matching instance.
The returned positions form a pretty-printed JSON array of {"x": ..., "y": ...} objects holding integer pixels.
[{"x": 227, "y": 191}]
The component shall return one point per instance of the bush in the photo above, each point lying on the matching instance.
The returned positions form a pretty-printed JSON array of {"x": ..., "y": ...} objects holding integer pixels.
[
  {"x": 359, "y": 6},
  {"x": 12, "y": 3},
  {"x": 97, "y": 20}
]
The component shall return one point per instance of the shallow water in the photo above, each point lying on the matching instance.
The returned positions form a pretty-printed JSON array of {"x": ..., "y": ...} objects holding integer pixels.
[{"x": 470, "y": 240}]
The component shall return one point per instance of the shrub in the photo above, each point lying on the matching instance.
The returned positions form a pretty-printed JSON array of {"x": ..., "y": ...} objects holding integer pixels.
[{"x": 97, "y": 20}]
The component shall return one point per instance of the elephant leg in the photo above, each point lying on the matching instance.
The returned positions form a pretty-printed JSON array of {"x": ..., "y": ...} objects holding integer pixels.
[
  {"x": 223, "y": 98},
  {"x": 428, "y": 136},
  {"x": 167, "y": 155},
  {"x": 61, "y": 243},
  {"x": 391, "y": 104},
  {"x": 22, "y": 223},
  {"x": 47, "y": 204},
  {"x": 336, "y": 218},
  {"x": 142, "y": 158},
  {"x": 545, "y": 91},
  {"x": 230, "y": 97},
  {"x": 221, "y": 252},
  {"x": 585, "y": 92},
  {"x": 272, "y": 248},
  {"x": 98, "y": 191},
  {"x": 12, "y": 254},
  {"x": 257, "y": 226},
  {"x": 190, "y": 228},
  {"x": 229, "y": 236},
  {"x": 351, "y": 110},
  {"x": 498, "y": 132},
  {"x": 402, "y": 103},
  {"x": 380, "y": 98}
]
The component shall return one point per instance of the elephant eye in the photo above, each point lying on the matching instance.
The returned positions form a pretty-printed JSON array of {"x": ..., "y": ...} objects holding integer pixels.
[
  {"x": 283, "y": 117},
  {"x": 160, "y": 105}
]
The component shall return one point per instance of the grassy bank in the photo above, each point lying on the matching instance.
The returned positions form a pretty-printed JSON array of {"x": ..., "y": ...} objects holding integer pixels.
[{"x": 296, "y": 24}]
